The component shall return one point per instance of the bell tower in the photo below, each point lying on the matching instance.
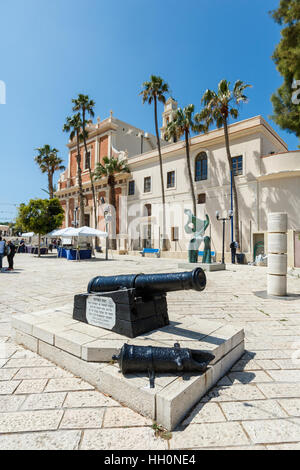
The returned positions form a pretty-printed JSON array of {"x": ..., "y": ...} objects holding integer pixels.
[{"x": 170, "y": 108}]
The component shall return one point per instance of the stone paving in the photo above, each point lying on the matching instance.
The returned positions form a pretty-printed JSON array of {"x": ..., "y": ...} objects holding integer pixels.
[{"x": 256, "y": 406}]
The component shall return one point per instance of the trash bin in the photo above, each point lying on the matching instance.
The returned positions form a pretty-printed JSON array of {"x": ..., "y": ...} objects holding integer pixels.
[{"x": 240, "y": 258}]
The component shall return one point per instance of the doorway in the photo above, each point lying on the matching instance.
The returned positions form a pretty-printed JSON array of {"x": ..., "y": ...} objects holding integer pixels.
[{"x": 87, "y": 220}]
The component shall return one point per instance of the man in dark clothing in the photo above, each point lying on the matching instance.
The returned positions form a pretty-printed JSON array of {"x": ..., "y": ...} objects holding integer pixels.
[
  {"x": 233, "y": 246},
  {"x": 10, "y": 256}
]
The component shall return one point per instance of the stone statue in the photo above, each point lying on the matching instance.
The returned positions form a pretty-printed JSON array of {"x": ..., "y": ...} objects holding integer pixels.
[
  {"x": 207, "y": 251},
  {"x": 197, "y": 227}
]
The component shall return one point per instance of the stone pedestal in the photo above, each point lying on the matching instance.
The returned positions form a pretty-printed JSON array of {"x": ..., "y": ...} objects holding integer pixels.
[
  {"x": 204, "y": 266},
  {"x": 277, "y": 257}
]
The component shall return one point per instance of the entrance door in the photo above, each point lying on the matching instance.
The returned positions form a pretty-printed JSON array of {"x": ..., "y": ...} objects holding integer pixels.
[
  {"x": 87, "y": 220},
  {"x": 147, "y": 241},
  {"x": 297, "y": 249}
]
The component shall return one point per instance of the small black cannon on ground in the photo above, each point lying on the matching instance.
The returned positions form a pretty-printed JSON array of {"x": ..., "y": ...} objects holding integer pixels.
[
  {"x": 133, "y": 304},
  {"x": 151, "y": 359}
]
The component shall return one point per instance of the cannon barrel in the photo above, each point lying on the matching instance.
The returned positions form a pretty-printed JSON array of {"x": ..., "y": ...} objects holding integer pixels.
[
  {"x": 153, "y": 359},
  {"x": 150, "y": 283}
]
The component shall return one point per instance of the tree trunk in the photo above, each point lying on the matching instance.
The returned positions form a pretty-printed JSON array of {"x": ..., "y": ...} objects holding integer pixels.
[
  {"x": 164, "y": 241},
  {"x": 112, "y": 202},
  {"x": 188, "y": 160},
  {"x": 39, "y": 247},
  {"x": 90, "y": 171},
  {"x": 50, "y": 184},
  {"x": 81, "y": 202},
  {"x": 234, "y": 190}
]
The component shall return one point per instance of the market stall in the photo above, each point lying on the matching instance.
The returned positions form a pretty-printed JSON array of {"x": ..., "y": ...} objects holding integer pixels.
[{"x": 75, "y": 243}]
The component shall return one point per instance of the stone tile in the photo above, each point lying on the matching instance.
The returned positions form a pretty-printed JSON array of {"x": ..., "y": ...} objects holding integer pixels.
[
  {"x": 288, "y": 363},
  {"x": 205, "y": 413},
  {"x": 291, "y": 406},
  {"x": 249, "y": 377},
  {"x": 31, "y": 386},
  {"x": 102, "y": 350},
  {"x": 66, "y": 385},
  {"x": 252, "y": 410},
  {"x": 244, "y": 365},
  {"x": 71, "y": 341},
  {"x": 234, "y": 393},
  {"x": 24, "y": 362},
  {"x": 7, "y": 374},
  {"x": 280, "y": 390},
  {"x": 272, "y": 354},
  {"x": 30, "y": 421},
  {"x": 88, "y": 400},
  {"x": 123, "y": 418},
  {"x": 10, "y": 403},
  {"x": 86, "y": 418},
  {"x": 89, "y": 330},
  {"x": 273, "y": 431},
  {"x": 42, "y": 373},
  {"x": 267, "y": 364},
  {"x": 122, "y": 439},
  {"x": 25, "y": 354},
  {"x": 285, "y": 375},
  {"x": 7, "y": 350},
  {"x": 54, "y": 440},
  {"x": 209, "y": 435},
  {"x": 6, "y": 388},
  {"x": 44, "y": 401}
]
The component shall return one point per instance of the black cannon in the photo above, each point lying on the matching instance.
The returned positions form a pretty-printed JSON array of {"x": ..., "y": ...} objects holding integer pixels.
[
  {"x": 133, "y": 304},
  {"x": 149, "y": 284},
  {"x": 151, "y": 359}
]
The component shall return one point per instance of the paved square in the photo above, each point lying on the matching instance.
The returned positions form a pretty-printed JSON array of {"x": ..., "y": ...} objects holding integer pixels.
[{"x": 255, "y": 406}]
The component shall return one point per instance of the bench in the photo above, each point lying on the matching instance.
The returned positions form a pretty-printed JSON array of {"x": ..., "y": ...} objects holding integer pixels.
[
  {"x": 155, "y": 251},
  {"x": 201, "y": 253},
  {"x": 213, "y": 255}
]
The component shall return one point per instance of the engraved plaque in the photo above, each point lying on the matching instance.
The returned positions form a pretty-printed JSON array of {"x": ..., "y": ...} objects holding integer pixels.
[{"x": 101, "y": 311}]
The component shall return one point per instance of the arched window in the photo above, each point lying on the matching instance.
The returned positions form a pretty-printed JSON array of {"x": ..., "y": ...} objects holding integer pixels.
[{"x": 201, "y": 167}]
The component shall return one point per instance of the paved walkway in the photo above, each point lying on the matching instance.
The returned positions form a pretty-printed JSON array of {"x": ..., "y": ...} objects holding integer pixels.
[{"x": 257, "y": 405}]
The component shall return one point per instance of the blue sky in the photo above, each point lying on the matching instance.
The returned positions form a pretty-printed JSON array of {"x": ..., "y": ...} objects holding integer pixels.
[{"x": 52, "y": 50}]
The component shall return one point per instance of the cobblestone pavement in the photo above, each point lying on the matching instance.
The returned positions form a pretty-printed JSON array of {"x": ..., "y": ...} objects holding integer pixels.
[{"x": 256, "y": 406}]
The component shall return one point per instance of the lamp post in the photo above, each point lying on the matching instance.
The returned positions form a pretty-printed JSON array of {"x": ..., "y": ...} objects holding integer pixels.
[
  {"x": 224, "y": 220},
  {"x": 107, "y": 218}
]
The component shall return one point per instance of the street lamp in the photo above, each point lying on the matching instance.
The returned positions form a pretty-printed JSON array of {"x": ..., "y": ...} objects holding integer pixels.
[
  {"x": 75, "y": 223},
  {"x": 224, "y": 220},
  {"x": 107, "y": 218}
]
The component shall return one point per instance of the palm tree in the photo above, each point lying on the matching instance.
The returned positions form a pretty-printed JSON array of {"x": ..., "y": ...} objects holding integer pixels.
[
  {"x": 73, "y": 126},
  {"x": 109, "y": 169},
  {"x": 155, "y": 90},
  {"x": 85, "y": 106},
  {"x": 49, "y": 163},
  {"x": 182, "y": 125},
  {"x": 217, "y": 110}
]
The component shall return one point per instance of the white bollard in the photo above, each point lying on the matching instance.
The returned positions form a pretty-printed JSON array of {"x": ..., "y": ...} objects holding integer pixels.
[{"x": 277, "y": 257}]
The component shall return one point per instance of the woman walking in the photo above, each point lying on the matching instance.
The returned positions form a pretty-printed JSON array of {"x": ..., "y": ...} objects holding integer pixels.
[{"x": 11, "y": 251}]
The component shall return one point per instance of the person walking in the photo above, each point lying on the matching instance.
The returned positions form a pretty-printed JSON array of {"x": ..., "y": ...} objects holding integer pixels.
[
  {"x": 2, "y": 250},
  {"x": 11, "y": 251},
  {"x": 233, "y": 247}
]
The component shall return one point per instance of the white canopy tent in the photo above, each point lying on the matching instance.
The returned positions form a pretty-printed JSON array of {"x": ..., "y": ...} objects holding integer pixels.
[
  {"x": 28, "y": 235},
  {"x": 83, "y": 232},
  {"x": 56, "y": 233}
]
